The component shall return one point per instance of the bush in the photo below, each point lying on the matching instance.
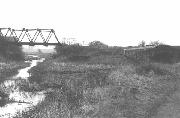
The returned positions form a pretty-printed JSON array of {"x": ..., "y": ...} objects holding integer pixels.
[
  {"x": 135, "y": 95},
  {"x": 79, "y": 58},
  {"x": 151, "y": 69},
  {"x": 9, "y": 50},
  {"x": 97, "y": 44},
  {"x": 90, "y": 54},
  {"x": 164, "y": 54},
  {"x": 69, "y": 50}
]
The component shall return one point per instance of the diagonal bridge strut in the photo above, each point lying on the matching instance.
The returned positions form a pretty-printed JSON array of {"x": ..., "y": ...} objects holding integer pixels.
[{"x": 18, "y": 39}]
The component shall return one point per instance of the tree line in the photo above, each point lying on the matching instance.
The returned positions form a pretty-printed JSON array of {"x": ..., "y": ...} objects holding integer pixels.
[{"x": 10, "y": 51}]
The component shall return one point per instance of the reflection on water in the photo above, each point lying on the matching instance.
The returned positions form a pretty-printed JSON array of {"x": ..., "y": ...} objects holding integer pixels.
[
  {"x": 21, "y": 101},
  {"x": 25, "y": 103}
]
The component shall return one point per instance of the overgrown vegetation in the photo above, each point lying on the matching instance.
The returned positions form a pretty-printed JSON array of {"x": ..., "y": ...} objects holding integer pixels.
[
  {"x": 106, "y": 85},
  {"x": 160, "y": 54},
  {"x": 91, "y": 54},
  {"x": 165, "y": 54},
  {"x": 11, "y": 59},
  {"x": 9, "y": 69},
  {"x": 10, "y": 51}
]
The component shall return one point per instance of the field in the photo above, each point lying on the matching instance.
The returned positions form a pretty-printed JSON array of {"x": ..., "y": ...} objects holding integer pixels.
[{"x": 101, "y": 85}]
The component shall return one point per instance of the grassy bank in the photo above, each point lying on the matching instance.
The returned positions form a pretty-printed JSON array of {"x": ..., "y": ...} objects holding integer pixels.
[
  {"x": 11, "y": 58},
  {"x": 8, "y": 69},
  {"x": 103, "y": 88},
  {"x": 90, "y": 82}
]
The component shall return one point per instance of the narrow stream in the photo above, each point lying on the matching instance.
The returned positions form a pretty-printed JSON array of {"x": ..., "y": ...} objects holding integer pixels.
[{"x": 22, "y": 101}]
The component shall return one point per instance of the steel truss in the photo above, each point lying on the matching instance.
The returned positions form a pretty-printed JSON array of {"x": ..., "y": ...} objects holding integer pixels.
[{"x": 32, "y": 39}]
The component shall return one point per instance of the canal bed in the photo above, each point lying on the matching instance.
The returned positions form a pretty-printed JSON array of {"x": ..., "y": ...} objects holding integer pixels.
[{"x": 19, "y": 101}]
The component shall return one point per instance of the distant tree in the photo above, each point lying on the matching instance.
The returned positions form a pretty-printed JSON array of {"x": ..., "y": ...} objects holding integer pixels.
[
  {"x": 155, "y": 43},
  {"x": 69, "y": 50},
  {"x": 97, "y": 44},
  {"x": 142, "y": 44}
]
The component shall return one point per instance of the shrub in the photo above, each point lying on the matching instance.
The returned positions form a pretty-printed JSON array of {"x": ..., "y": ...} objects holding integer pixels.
[
  {"x": 69, "y": 50},
  {"x": 10, "y": 50},
  {"x": 97, "y": 44},
  {"x": 136, "y": 95},
  {"x": 79, "y": 58},
  {"x": 151, "y": 68},
  {"x": 164, "y": 54}
]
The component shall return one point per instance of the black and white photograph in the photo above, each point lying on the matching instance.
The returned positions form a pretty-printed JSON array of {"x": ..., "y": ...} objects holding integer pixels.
[{"x": 89, "y": 59}]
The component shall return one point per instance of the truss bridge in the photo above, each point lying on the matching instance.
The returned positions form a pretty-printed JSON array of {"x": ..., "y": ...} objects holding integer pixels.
[{"x": 18, "y": 36}]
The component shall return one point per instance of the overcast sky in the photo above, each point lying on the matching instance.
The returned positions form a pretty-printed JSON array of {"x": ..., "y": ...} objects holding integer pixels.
[{"x": 114, "y": 22}]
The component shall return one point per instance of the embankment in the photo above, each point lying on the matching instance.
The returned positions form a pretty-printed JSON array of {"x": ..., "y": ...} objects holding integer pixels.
[
  {"x": 102, "y": 89},
  {"x": 9, "y": 69},
  {"x": 11, "y": 58}
]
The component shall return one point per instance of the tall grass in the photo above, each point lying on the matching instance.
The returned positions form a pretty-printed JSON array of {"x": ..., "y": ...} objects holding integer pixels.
[
  {"x": 11, "y": 57},
  {"x": 106, "y": 85},
  {"x": 165, "y": 54},
  {"x": 91, "y": 90},
  {"x": 9, "y": 50},
  {"x": 9, "y": 69}
]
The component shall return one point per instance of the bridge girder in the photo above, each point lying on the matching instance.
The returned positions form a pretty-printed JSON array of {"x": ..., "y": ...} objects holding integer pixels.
[{"x": 32, "y": 39}]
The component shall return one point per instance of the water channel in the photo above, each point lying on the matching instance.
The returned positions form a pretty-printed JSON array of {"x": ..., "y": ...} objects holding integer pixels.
[{"x": 22, "y": 101}]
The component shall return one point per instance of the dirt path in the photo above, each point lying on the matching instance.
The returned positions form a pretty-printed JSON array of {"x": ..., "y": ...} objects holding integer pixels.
[{"x": 172, "y": 108}]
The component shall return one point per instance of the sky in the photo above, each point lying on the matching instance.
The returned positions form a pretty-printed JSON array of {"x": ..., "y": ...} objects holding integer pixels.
[{"x": 113, "y": 22}]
